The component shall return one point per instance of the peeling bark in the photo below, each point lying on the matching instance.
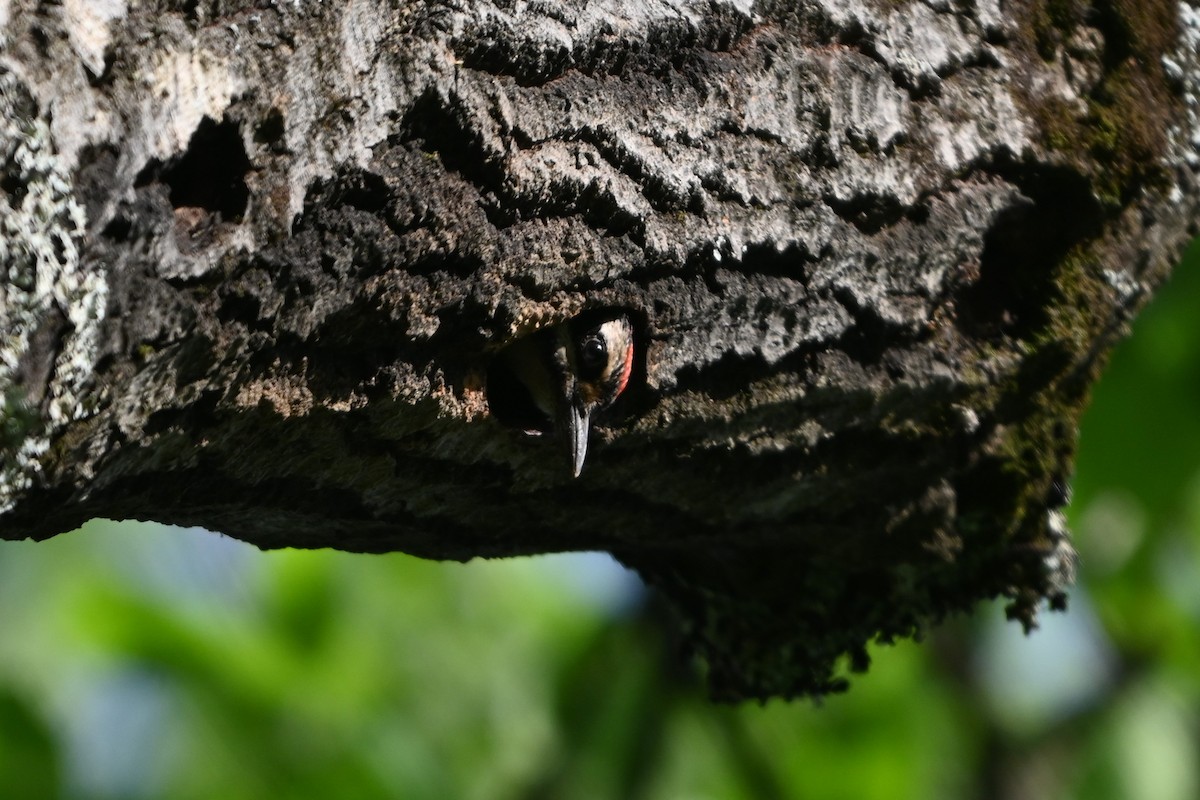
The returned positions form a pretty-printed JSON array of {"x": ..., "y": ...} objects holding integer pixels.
[{"x": 258, "y": 257}]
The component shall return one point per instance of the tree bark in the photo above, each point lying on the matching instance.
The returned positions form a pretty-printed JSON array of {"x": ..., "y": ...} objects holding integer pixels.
[{"x": 259, "y": 255}]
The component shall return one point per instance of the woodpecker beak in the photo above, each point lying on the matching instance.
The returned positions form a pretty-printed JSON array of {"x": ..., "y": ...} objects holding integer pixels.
[
  {"x": 555, "y": 380},
  {"x": 577, "y": 424}
]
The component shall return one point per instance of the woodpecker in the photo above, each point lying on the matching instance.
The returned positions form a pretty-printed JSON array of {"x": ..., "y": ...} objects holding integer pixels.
[{"x": 556, "y": 379}]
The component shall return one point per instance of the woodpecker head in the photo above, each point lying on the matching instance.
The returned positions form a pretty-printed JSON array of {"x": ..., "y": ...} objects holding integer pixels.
[{"x": 556, "y": 379}]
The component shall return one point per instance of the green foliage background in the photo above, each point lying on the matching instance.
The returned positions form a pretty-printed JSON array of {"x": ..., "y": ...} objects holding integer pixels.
[{"x": 138, "y": 662}]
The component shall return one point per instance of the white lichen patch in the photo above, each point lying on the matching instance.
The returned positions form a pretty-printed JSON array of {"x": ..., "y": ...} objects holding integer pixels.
[
  {"x": 1183, "y": 67},
  {"x": 41, "y": 276},
  {"x": 1061, "y": 562}
]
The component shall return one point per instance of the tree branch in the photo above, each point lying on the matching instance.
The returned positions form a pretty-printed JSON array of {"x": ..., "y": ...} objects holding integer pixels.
[{"x": 259, "y": 257}]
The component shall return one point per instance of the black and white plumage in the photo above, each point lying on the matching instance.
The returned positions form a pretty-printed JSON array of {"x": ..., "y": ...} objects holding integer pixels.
[{"x": 556, "y": 379}]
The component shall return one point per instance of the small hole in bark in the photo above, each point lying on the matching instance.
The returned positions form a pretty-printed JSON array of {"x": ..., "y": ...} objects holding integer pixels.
[
  {"x": 509, "y": 373},
  {"x": 871, "y": 213},
  {"x": 510, "y": 402},
  {"x": 12, "y": 188},
  {"x": 244, "y": 307},
  {"x": 118, "y": 229},
  {"x": 363, "y": 190},
  {"x": 1025, "y": 248},
  {"x": 211, "y": 175},
  {"x": 508, "y": 396},
  {"x": 271, "y": 129}
]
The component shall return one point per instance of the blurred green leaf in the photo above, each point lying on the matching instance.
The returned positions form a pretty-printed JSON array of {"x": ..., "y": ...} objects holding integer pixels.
[{"x": 29, "y": 757}]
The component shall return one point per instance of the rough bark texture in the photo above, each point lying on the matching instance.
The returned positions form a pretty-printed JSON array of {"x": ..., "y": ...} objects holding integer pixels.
[{"x": 257, "y": 256}]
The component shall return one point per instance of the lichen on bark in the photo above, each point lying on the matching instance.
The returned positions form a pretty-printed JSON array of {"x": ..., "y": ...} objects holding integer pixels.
[{"x": 51, "y": 306}]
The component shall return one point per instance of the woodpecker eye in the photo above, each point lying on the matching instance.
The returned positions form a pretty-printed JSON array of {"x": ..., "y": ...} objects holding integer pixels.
[{"x": 593, "y": 356}]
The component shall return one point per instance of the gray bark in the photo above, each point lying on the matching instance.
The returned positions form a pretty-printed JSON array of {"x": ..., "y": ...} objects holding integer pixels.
[{"x": 257, "y": 257}]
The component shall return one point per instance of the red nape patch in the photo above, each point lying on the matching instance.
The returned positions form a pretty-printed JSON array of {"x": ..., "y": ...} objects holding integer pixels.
[{"x": 626, "y": 369}]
